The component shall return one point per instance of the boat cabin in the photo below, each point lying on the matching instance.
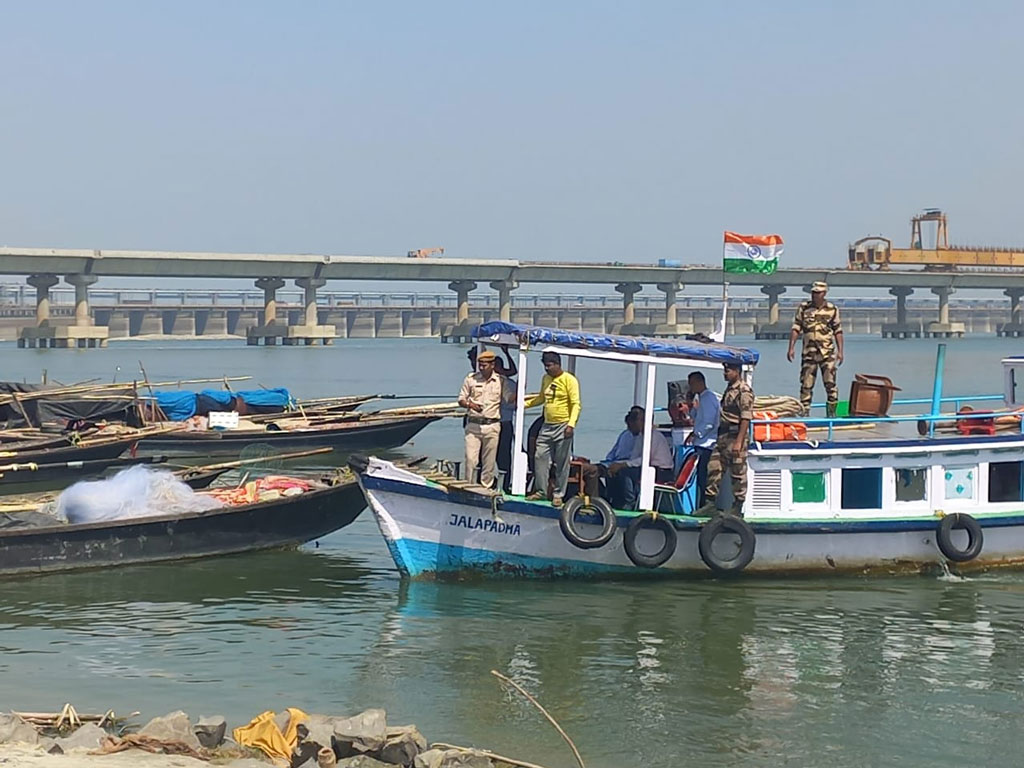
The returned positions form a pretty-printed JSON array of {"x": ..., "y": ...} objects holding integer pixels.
[{"x": 646, "y": 356}]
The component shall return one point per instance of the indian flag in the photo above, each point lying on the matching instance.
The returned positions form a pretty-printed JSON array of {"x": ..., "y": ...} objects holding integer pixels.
[{"x": 751, "y": 253}]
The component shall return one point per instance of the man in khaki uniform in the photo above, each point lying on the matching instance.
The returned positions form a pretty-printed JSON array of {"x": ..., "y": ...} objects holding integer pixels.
[
  {"x": 730, "y": 449},
  {"x": 482, "y": 394},
  {"x": 818, "y": 321}
]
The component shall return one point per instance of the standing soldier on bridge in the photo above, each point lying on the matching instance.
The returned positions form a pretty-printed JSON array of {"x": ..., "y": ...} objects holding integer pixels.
[{"x": 818, "y": 321}]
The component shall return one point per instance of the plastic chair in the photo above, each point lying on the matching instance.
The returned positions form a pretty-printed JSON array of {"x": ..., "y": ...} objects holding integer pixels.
[{"x": 682, "y": 494}]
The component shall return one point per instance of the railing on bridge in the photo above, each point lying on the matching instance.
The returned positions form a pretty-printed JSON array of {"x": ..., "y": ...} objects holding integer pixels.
[{"x": 20, "y": 294}]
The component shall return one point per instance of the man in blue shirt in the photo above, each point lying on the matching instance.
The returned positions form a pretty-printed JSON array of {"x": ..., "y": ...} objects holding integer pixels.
[
  {"x": 622, "y": 466},
  {"x": 706, "y": 412}
]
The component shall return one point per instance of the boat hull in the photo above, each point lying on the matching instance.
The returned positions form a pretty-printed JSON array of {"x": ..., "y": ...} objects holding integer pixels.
[
  {"x": 282, "y": 523},
  {"x": 432, "y": 532},
  {"x": 357, "y": 436}
]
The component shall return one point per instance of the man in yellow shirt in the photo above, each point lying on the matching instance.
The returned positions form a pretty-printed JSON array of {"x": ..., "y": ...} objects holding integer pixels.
[{"x": 560, "y": 393}]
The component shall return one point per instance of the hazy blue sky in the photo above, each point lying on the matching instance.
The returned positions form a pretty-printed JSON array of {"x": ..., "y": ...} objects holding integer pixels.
[{"x": 577, "y": 131}]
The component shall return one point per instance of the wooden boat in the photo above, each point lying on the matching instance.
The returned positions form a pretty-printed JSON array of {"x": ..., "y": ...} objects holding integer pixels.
[
  {"x": 344, "y": 436},
  {"x": 284, "y": 522},
  {"x": 96, "y": 449},
  {"x": 884, "y": 499},
  {"x": 29, "y": 477}
]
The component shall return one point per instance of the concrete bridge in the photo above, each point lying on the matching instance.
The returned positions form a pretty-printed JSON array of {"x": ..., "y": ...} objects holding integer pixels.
[
  {"x": 132, "y": 313},
  {"x": 81, "y": 269}
]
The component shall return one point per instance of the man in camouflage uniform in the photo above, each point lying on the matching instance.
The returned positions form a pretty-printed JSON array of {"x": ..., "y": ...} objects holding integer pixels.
[
  {"x": 818, "y": 321},
  {"x": 731, "y": 447}
]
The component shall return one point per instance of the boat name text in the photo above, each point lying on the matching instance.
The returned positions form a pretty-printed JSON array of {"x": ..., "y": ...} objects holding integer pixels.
[{"x": 481, "y": 524}]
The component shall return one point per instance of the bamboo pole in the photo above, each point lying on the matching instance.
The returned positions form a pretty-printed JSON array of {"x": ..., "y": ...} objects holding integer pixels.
[{"x": 563, "y": 734}]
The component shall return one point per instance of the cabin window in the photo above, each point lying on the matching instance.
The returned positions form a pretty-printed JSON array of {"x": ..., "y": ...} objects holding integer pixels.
[
  {"x": 1004, "y": 481},
  {"x": 862, "y": 488},
  {"x": 959, "y": 482},
  {"x": 808, "y": 487},
  {"x": 911, "y": 484}
]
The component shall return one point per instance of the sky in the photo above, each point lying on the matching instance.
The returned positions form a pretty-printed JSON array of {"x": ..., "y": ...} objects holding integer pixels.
[{"x": 572, "y": 131}]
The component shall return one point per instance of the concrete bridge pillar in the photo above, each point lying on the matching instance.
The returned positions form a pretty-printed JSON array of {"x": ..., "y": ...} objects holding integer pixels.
[
  {"x": 310, "y": 331},
  {"x": 42, "y": 333},
  {"x": 268, "y": 331},
  {"x": 671, "y": 326},
  {"x": 504, "y": 289},
  {"x": 83, "y": 333},
  {"x": 774, "y": 329},
  {"x": 943, "y": 328},
  {"x": 901, "y": 329},
  {"x": 269, "y": 286},
  {"x": 1015, "y": 327},
  {"x": 462, "y": 330},
  {"x": 629, "y": 292}
]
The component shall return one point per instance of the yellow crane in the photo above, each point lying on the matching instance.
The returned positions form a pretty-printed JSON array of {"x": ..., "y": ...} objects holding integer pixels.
[{"x": 876, "y": 252}]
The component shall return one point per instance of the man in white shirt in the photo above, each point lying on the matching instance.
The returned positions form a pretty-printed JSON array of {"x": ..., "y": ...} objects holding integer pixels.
[
  {"x": 706, "y": 413},
  {"x": 622, "y": 465}
]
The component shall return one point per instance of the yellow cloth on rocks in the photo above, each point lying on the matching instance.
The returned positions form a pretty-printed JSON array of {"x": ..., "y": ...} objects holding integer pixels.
[{"x": 263, "y": 734}]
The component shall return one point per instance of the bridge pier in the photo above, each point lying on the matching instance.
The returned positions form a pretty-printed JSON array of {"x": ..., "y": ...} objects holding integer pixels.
[
  {"x": 902, "y": 328},
  {"x": 269, "y": 331},
  {"x": 774, "y": 329},
  {"x": 504, "y": 289},
  {"x": 943, "y": 328},
  {"x": 310, "y": 331},
  {"x": 42, "y": 334},
  {"x": 629, "y": 292},
  {"x": 671, "y": 326},
  {"x": 1014, "y": 328},
  {"x": 462, "y": 330}
]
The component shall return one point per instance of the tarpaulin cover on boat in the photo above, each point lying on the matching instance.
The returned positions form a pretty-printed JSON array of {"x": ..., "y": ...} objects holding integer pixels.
[
  {"x": 682, "y": 348},
  {"x": 60, "y": 408},
  {"x": 263, "y": 398},
  {"x": 177, "y": 405}
]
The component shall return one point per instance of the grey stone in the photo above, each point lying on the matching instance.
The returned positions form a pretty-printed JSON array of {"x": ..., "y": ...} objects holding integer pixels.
[
  {"x": 319, "y": 730},
  {"x": 452, "y": 758},
  {"x": 402, "y": 745},
  {"x": 174, "y": 726},
  {"x": 366, "y": 732},
  {"x": 248, "y": 762},
  {"x": 86, "y": 737},
  {"x": 210, "y": 731},
  {"x": 363, "y": 761},
  {"x": 14, "y": 730},
  {"x": 50, "y": 746}
]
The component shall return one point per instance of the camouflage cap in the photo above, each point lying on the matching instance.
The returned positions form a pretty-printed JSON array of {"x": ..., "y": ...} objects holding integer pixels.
[{"x": 819, "y": 287}]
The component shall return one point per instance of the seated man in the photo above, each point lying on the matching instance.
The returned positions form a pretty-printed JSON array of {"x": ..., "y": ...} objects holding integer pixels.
[{"x": 621, "y": 467}]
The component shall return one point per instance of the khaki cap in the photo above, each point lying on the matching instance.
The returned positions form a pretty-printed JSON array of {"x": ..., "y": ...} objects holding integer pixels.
[
  {"x": 485, "y": 356},
  {"x": 819, "y": 287}
]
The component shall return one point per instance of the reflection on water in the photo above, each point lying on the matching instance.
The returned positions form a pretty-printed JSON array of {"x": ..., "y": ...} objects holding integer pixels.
[
  {"x": 722, "y": 673},
  {"x": 919, "y": 671}
]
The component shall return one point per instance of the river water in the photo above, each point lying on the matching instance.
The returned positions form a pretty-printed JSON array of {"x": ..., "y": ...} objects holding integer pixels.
[{"x": 920, "y": 671}]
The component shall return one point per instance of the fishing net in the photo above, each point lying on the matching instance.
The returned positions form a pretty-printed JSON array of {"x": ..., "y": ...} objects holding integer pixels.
[
  {"x": 265, "y": 460},
  {"x": 134, "y": 492}
]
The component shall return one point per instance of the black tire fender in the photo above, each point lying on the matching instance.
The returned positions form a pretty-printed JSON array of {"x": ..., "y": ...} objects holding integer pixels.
[
  {"x": 944, "y": 537},
  {"x": 592, "y": 506},
  {"x": 651, "y": 520},
  {"x": 727, "y": 524}
]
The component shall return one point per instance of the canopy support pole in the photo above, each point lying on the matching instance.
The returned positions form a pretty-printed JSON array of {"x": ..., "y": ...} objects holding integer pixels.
[
  {"x": 646, "y": 470},
  {"x": 520, "y": 464}
]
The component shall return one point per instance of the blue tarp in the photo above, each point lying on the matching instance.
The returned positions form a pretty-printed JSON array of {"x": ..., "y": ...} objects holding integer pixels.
[
  {"x": 681, "y": 348},
  {"x": 278, "y": 397},
  {"x": 177, "y": 405}
]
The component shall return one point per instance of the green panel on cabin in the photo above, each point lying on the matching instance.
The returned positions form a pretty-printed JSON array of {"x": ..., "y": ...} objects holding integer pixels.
[{"x": 808, "y": 487}]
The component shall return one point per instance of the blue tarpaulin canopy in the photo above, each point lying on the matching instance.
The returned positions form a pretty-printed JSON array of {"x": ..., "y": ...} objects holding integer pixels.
[
  {"x": 678, "y": 348},
  {"x": 177, "y": 405},
  {"x": 278, "y": 397},
  {"x": 221, "y": 397}
]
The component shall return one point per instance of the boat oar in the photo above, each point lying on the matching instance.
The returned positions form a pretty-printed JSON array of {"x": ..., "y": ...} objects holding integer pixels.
[
  {"x": 87, "y": 464},
  {"x": 257, "y": 460}
]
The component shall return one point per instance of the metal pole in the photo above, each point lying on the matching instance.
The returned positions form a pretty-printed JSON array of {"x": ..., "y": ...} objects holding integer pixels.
[{"x": 940, "y": 365}]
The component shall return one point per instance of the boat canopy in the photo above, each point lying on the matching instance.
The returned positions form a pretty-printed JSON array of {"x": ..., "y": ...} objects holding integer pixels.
[{"x": 528, "y": 335}]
